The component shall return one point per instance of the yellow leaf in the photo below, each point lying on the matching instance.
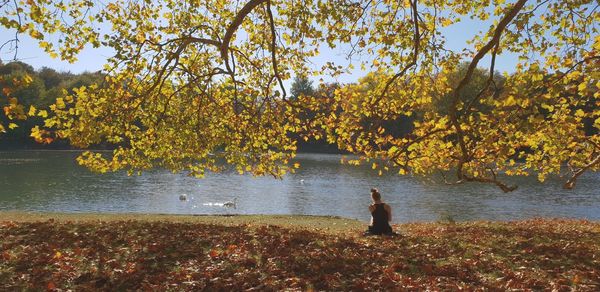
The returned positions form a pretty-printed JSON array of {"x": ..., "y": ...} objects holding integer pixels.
[
  {"x": 541, "y": 177},
  {"x": 582, "y": 87},
  {"x": 36, "y": 133},
  {"x": 446, "y": 22},
  {"x": 45, "y": 45},
  {"x": 31, "y": 112},
  {"x": 60, "y": 103},
  {"x": 12, "y": 126},
  {"x": 27, "y": 79},
  {"x": 550, "y": 108},
  {"x": 510, "y": 101},
  {"x": 43, "y": 114},
  {"x": 36, "y": 34}
]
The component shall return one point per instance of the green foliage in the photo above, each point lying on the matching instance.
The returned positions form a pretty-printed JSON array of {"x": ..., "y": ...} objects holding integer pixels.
[
  {"x": 301, "y": 86},
  {"x": 30, "y": 95},
  {"x": 469, "y": 95},
  {"x": 52, "y": 78}
]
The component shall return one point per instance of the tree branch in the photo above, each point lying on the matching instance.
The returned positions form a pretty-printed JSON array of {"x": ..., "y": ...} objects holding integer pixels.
[
  {"x": 274, "y": 49},
  {"x": 416, "y": 47},
  {"x": 490, "y": 79},
  {"x": 571, "y": 182},
  {"x": 510, "y": 15},
  {"x": 202, "y": 41},
  {"x": 237, "y": 21}
]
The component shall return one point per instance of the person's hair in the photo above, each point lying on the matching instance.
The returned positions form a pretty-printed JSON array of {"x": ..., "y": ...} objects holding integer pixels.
[{"x": 375, "y": 194}]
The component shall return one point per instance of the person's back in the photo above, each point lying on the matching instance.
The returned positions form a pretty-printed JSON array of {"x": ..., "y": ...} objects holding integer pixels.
[
  {"x": 381, "y": 215},
  {"x": 380, "y": 224}
]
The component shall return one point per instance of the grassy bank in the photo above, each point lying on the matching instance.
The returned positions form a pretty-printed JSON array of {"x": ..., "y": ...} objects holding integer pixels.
[
  {"x": 327, "y": 224},
  {"x": 168, "y": 252}
]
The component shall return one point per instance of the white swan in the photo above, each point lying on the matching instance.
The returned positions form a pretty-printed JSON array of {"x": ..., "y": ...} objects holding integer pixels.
[{"x": 230, "y": 203}]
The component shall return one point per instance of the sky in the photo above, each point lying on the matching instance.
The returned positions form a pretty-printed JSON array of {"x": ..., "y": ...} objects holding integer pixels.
[{"x": 93, "y": 59}]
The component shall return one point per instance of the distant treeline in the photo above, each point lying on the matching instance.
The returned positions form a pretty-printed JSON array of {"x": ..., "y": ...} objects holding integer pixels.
[
  {"x": 48, "y": 84},
  {"x": 45, "y": 87}
]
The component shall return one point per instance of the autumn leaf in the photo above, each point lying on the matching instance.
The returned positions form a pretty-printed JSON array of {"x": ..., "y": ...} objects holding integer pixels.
[{"x": 31, "y": 111}]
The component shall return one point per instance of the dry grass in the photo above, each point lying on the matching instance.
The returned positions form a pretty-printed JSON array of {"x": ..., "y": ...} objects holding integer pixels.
[{"x": 328, "y": 224}]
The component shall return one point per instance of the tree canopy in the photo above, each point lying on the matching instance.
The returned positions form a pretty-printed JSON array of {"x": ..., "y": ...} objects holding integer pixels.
[
  {"x": 30, "y": 92},
  {"x": 193, "y": 83}
]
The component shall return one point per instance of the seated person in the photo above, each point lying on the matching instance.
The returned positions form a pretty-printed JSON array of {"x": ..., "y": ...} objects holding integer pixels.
[{"x": 381, "y": 216}]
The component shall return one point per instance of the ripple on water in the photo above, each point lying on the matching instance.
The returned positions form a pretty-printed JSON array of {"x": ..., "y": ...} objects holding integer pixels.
[
  {"x": 15, "y": 161},
  {"x": 52, "y": 181}
]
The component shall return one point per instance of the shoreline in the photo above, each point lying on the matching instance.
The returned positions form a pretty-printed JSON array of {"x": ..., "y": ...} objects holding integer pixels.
[
  {"x": 334, "y": 224},
  {"x": 232, "y": 219}
]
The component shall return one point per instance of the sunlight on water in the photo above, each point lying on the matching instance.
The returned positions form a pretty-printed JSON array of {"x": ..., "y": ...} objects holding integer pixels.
[{"x": 52, "y": 181}]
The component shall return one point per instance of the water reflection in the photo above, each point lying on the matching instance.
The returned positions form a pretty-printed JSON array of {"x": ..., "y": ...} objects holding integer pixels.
[{"x": 52, "y": 181}]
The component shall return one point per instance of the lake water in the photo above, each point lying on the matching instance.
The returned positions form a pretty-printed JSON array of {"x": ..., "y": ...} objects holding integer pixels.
[{"x": 52, "y": 181}]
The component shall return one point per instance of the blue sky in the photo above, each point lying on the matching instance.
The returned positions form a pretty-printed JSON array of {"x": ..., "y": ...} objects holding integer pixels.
[{"x": 92, "y": 59}]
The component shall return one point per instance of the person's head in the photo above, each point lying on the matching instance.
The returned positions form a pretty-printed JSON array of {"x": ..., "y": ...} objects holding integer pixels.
[{"x": 375, "y": 195}]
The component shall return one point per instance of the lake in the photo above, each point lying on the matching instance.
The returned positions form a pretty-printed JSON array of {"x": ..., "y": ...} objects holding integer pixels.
[{"x": 51, "y": 181}]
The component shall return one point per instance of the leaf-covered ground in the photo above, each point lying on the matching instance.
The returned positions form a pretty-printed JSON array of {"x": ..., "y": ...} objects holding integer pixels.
[{"x": 538, "y": 254}]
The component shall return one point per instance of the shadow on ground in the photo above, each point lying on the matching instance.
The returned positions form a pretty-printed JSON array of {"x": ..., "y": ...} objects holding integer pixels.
[{"x": 133, "y": 255}]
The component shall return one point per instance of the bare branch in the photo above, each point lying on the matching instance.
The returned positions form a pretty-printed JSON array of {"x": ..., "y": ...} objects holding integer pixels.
[
  {"x": 191, "y": 39},
  {"x": 416, "y": 48},
  {"x": 274, "y": 49},
  {"x": 493, "y": 180},
  {"x": 16, "y": 39},
  {"x": 490, "y": 79},
  {"x": 571, "y": 182}
]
